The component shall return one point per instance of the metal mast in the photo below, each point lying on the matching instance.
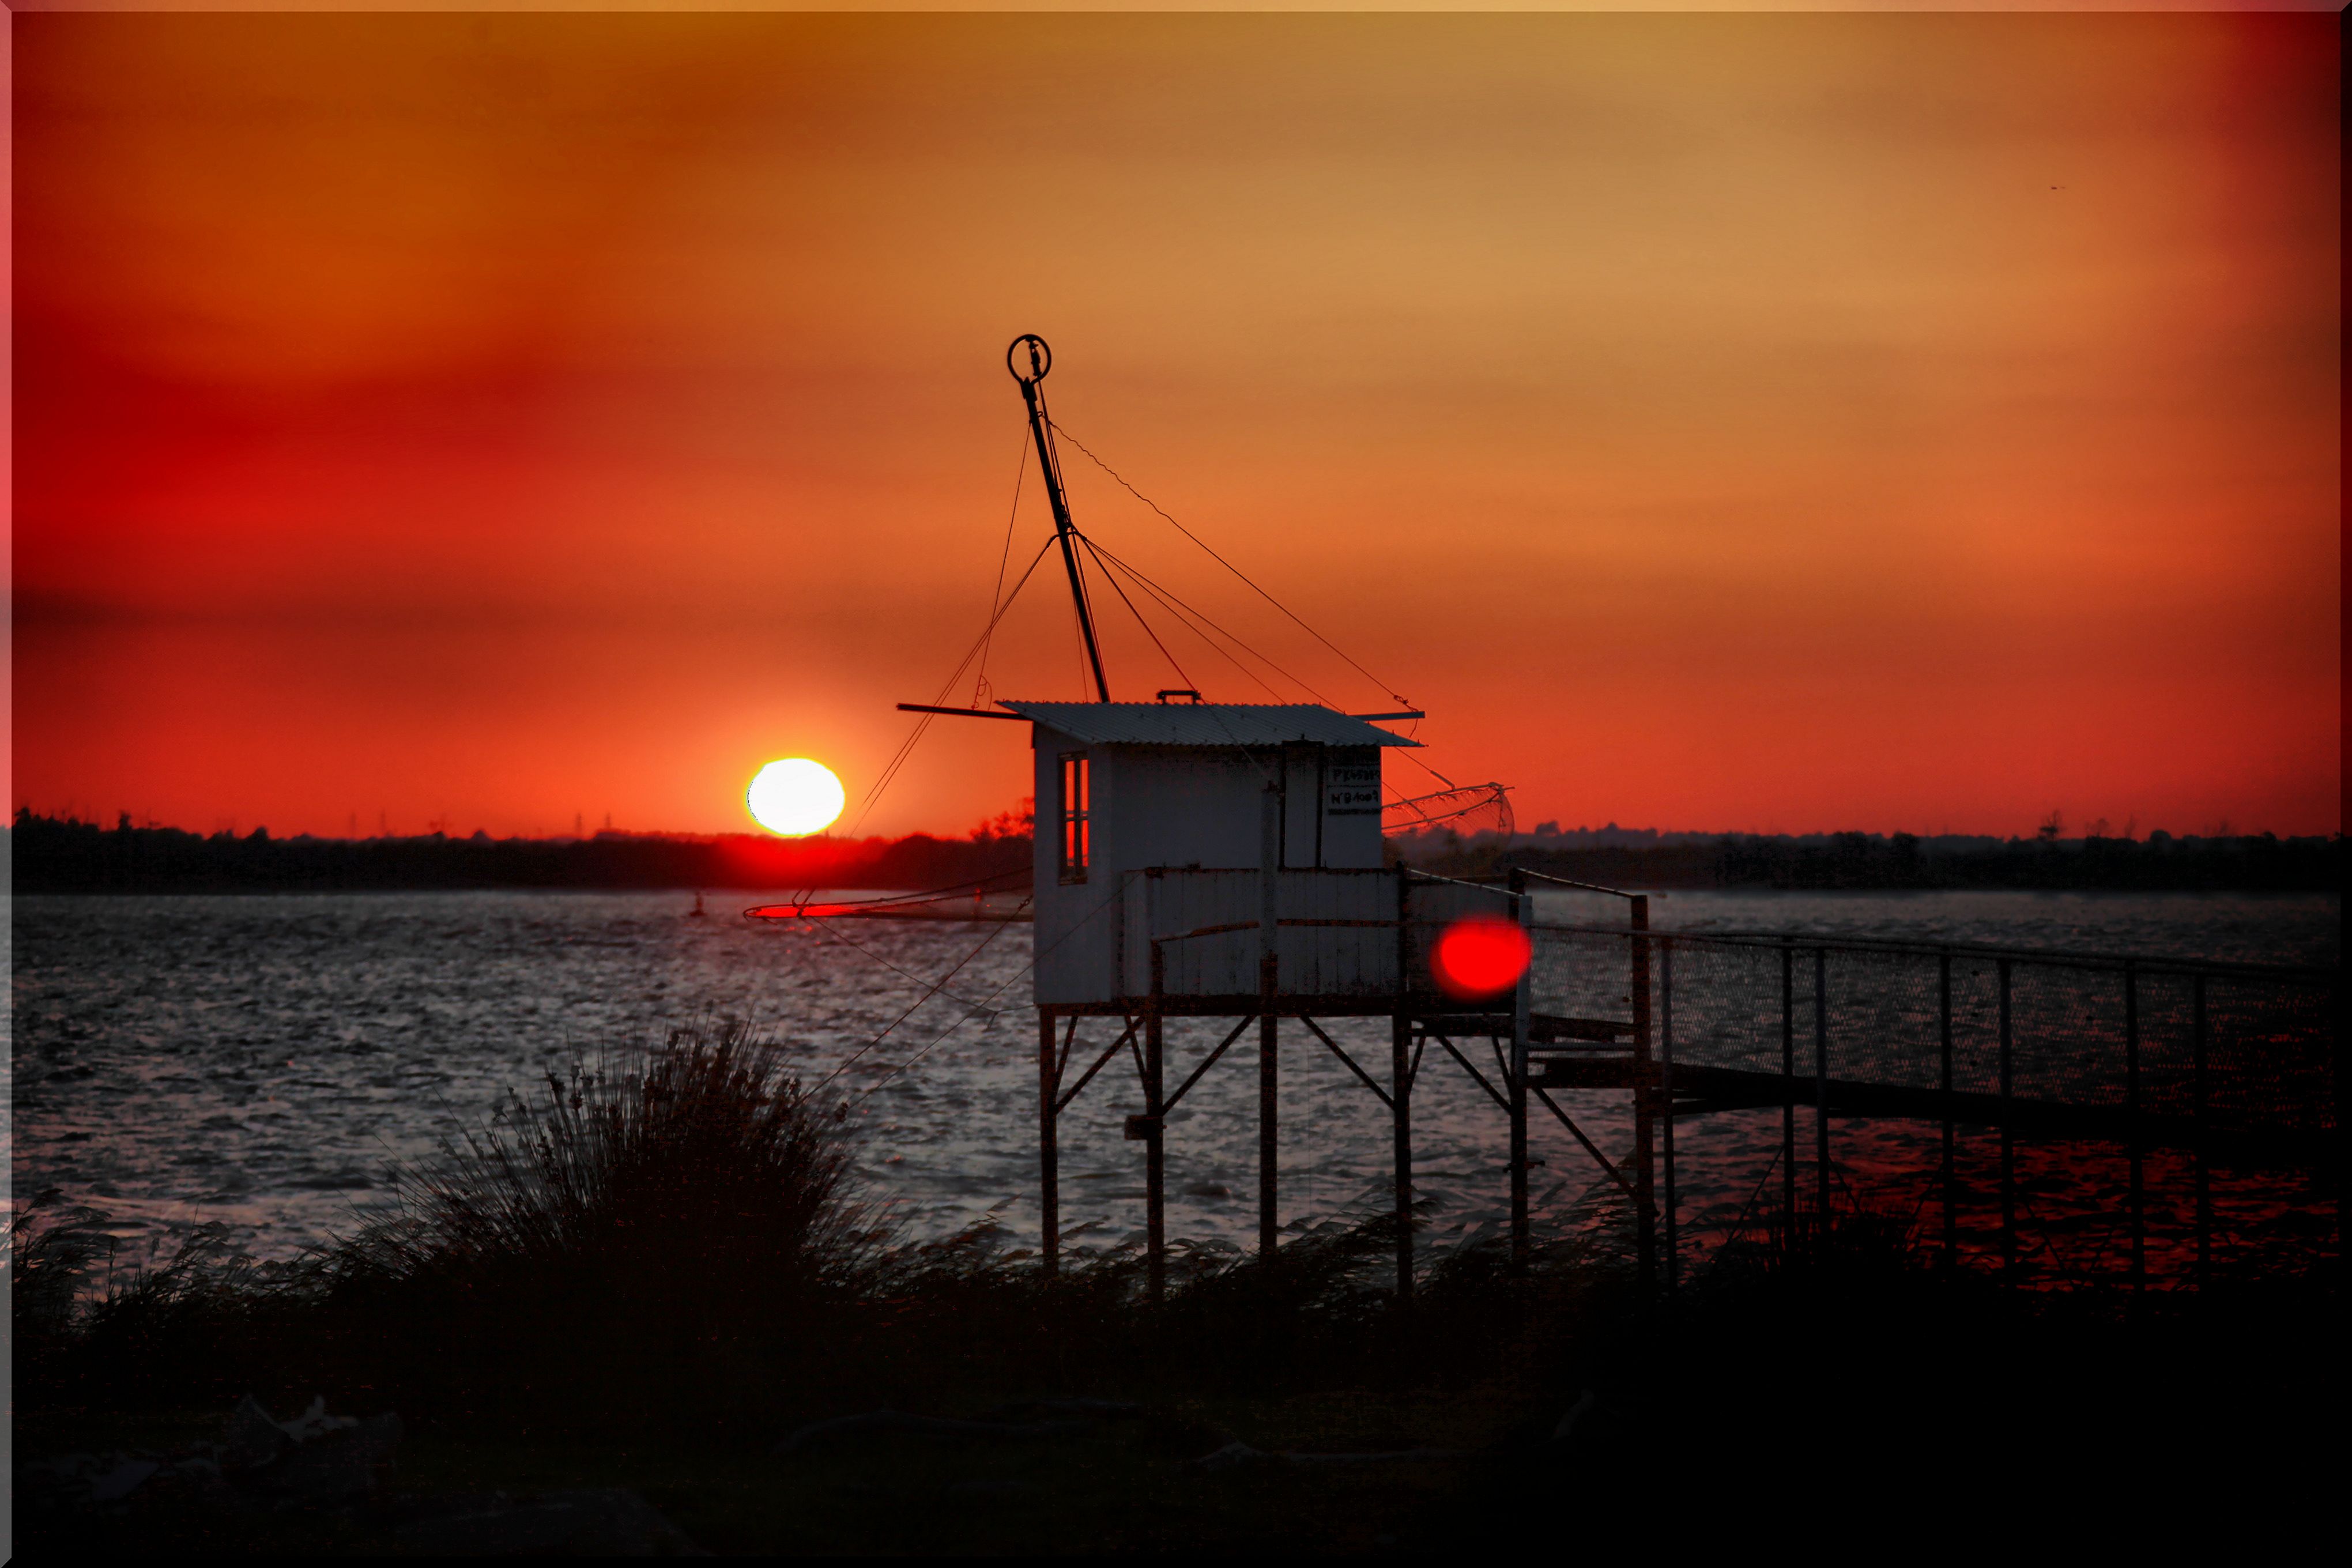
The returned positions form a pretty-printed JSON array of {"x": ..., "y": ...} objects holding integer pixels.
[{"x": 1041, "y": 360}]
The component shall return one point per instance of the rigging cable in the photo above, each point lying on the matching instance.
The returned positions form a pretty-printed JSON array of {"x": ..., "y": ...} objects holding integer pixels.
[
  {"x": 1178, "y": 608},
  {"x": 906, "y": 747},
  {"x": 943, "y": 1034},
  {"x": 1164, "y": 596},
  {"x": 1131, "y": 610},
  {"x": 936, "y": 988},
  {"x": 1382, "y": 685},
  {"x": 1186, "y": 620},
  {"x": 825, "y": 928},
  {"x": 996, "y": 595},
  {"x": 951, "y": 1028}
]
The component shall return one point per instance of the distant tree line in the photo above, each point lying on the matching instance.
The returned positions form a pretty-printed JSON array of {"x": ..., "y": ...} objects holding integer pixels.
[
  {"x": 68, "y": 855},
  {"x": 1868, "y": 860}
]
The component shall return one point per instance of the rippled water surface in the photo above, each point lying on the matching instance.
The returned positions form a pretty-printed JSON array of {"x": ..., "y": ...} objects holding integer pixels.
[{"x": 261, "y": 1060}]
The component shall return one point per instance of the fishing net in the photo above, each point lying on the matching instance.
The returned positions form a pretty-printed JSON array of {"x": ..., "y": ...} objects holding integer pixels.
[{"x": 1440, "y": 824}]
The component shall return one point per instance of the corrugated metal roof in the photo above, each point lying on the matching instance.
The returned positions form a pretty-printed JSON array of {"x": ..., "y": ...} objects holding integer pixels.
[{"x": 1204, "y": 724}]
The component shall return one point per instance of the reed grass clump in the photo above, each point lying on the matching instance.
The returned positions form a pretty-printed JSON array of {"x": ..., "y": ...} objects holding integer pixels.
[
  {"x": 655, "y": 1222},
  {"x": 669, "y": 1236},
  {"x": 93, "y": 1327}
]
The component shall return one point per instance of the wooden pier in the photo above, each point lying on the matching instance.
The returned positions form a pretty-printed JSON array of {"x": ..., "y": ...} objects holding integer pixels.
[{"x": 2291, "y": 1117}]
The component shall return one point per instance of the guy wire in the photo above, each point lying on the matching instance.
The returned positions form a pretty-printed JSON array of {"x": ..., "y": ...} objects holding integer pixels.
[{"x": 1261, "y": 593}]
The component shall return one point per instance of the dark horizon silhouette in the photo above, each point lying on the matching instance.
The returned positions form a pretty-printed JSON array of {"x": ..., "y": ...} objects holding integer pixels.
[{"x": 67, "y": 854}]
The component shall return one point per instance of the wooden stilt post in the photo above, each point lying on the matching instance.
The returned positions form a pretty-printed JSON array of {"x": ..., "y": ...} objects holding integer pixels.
[
  {"x": 1268, "y": 985},
  {"x": 1049, "y": 1174},
  {"x": 1401, "y": 1085},
  {"x": 1267, "y": 1141},
  {"x": 1155, "y": 1160},
  {"x": 1645, "y": 1207},
  {"x": 2007, "y": 1144},
  {"x": 1944, "y": 1011},
  {"x": 1401, "y": 1123},
  {"x": 2131, "y": 1111},
  {"x": 1517, "y": 1087},
  {"x": 2204, "y": 1176}
]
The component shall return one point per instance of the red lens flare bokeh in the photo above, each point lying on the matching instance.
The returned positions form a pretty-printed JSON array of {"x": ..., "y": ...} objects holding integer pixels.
[{"x": 1479, "y": 956}]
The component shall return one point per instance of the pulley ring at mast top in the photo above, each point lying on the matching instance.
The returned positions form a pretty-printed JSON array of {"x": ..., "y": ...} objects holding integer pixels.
[{"x": 1041, "y": 358}]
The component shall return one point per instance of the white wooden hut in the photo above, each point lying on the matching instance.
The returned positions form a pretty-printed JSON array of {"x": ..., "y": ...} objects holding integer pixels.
[{"x": 1157, "y": 819}]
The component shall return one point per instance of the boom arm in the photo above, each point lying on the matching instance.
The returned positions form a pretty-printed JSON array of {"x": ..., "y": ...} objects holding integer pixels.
[{"x": 1041, "y": 360}]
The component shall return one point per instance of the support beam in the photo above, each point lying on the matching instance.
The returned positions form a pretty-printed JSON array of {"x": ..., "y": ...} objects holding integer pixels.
[
  {"x": 1591, "y": 1148},
  {"x": 1493, "y": 1093},
  {"x": 1207, "y": 1062},
  {"x": 1049, "y": 1201},
  {"x": 1088, "y": 1076},
  {"x": 1332, "y": 1045}
]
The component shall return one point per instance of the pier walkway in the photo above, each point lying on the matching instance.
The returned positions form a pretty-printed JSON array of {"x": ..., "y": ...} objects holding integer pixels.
[{"x": 2168, "y": 1070}]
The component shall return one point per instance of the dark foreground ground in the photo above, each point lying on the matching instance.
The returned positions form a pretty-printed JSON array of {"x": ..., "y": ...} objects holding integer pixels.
[
  {"x": 1846, "y": 1417},
  {"x": 644, "y": 1311}
]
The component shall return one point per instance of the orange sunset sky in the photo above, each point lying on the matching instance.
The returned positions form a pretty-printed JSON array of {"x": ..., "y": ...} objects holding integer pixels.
[{"x": 1791, "y": 423}]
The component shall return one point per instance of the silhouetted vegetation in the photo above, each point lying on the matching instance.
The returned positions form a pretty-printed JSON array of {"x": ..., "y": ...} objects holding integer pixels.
[
  {"x": 653, "y": 1269},
  {"x": 68, "y": 855},
  {"x": 1861, "y": 861},
  {"x": 668, "y": 1242}
]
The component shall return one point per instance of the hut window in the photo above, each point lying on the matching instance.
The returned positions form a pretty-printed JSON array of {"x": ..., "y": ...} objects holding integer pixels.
[{"x": 1073, "y": 817}]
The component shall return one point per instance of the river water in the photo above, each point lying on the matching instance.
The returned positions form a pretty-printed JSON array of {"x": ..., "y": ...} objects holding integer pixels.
[{"x": 263, "y": 1060}]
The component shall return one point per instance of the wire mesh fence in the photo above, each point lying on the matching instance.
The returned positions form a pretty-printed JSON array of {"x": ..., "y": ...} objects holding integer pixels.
[{"x": 2065, "y": 1117}]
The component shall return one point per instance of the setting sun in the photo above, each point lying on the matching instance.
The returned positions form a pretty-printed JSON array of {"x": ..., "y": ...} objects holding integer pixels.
[{"x": 794, "y": 797}]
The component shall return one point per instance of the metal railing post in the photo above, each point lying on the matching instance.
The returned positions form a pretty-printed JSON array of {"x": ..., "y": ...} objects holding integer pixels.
[
  {"x": 1822, "y": 1090},
  {"x": 1517, "y": 1087},
  {"x": 1787, "y": 1097},
  {"x": 1645, "y": 1207},
  {"x": 1666, "y": 1088}
]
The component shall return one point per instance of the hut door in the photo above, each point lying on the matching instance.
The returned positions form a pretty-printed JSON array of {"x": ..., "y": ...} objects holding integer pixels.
[{"x": 1302, "y": 806}]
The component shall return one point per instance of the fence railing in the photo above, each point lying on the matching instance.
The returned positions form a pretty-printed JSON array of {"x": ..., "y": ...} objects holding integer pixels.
[{"x": 2166, "y": 1080}]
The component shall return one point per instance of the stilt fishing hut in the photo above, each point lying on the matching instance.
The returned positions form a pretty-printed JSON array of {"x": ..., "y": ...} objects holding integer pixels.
[{"x": 1224, "y": 861}]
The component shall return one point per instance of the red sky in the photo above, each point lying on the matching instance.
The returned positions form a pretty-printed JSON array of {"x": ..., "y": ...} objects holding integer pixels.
[{"x": 1778, "y": 423}]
